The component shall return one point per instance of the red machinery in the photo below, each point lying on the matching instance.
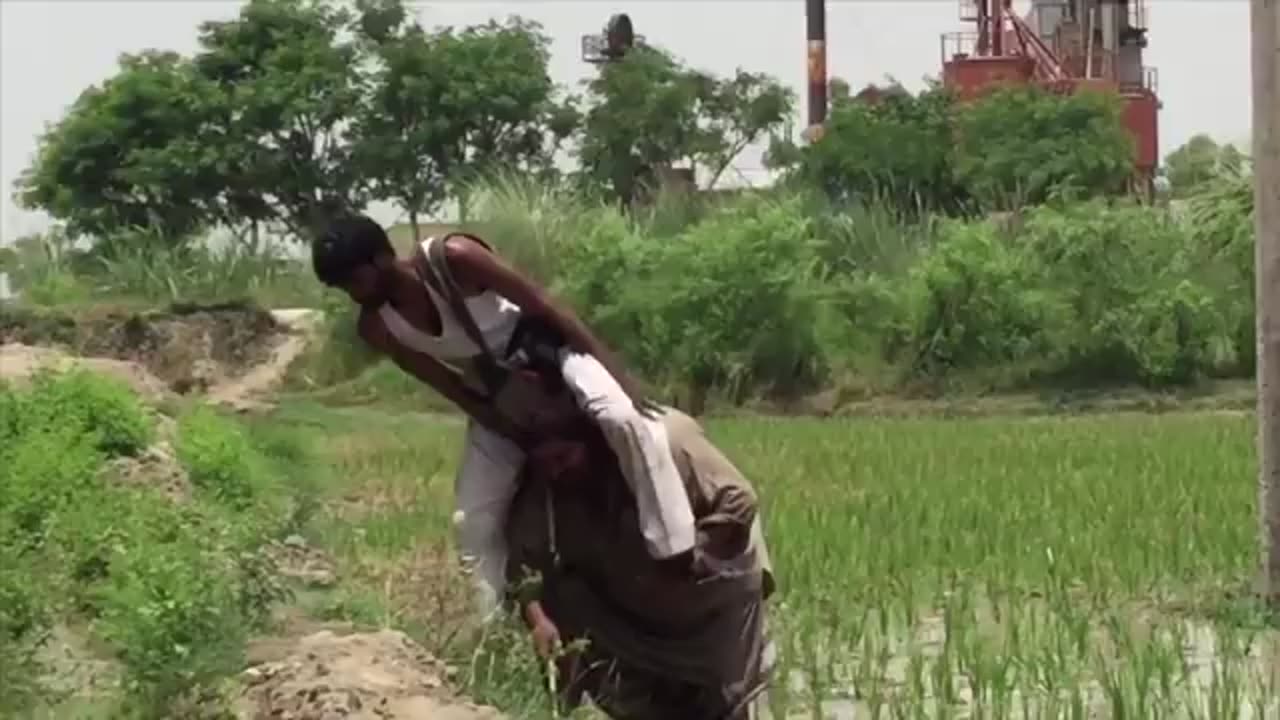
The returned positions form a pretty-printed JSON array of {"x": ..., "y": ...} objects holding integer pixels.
[{"x": 1064, "y": 45}]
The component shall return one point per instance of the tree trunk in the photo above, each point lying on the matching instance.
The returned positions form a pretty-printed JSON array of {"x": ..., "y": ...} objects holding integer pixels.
[
  {"x": 413, "y": 222},
  {"x": 1266, "y": 152}
]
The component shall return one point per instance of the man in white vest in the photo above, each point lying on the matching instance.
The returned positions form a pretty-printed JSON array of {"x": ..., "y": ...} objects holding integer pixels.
[{"x": 454, "y": 315}]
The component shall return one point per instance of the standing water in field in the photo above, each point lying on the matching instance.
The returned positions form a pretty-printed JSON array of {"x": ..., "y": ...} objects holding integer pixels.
[
  {"x": 1091, "y": 566},
  {"x": 1172, "y": 668}
]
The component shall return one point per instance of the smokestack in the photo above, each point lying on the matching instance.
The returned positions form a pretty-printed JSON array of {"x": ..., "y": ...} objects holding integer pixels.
[{"x": 816, "y": 17}]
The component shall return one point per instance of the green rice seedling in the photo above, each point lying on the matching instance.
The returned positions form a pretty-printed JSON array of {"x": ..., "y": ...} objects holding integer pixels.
[{"x": 997, "y": 568}]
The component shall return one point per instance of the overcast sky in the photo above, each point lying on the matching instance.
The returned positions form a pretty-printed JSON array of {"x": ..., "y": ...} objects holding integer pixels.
[{"x": 50, "y": 50}]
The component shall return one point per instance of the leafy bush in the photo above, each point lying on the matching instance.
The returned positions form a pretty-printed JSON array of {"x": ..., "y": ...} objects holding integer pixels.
[
  {"x": 171, "y": 588},
  {"x": 44, "y": 473},
  {"x": 895, "y": 150},
  {"x": 24, "y": 620},
  {"x": 1020, "y": 146},
  {"x": 781, "y": 290},
  {"x": 91, "y": 404},
  {"x": 1221, "y": 218},
  {"x": 1137, "y": 309},
  {"x": 219, "y": 458},
  {"x": 728, "y": 304},
  {"x": 12, "y": 418},
  {"x": 980, "y": 306},
  {"x": 1088, "y": 293},
  {"x": 169, "y": 607}
]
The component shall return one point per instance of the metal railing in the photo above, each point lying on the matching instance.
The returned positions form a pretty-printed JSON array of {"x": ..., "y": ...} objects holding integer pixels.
[
  {"x": 595, "y": 48},
  {"x": 1138, "y": 14},
  {"x": 958, "y": 45},
  {"x": 1148, "y": 79},
  {"x": 1048, "y": 17}
]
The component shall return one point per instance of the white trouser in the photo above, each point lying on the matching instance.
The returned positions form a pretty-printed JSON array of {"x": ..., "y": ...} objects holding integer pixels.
[{"x": 486, "y": 482}]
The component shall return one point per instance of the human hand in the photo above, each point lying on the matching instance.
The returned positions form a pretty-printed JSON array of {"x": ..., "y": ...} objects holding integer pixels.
[{"x": 546, "y": 638}]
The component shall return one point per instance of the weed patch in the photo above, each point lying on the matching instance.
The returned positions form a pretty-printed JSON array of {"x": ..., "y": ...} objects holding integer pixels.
[{"x": 171, "y": 588}]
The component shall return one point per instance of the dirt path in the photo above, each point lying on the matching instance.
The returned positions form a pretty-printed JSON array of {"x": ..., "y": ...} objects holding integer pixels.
[{"x": 248, "y": 390}]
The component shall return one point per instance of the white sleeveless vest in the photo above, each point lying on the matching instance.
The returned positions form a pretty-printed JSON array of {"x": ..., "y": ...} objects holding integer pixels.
[{"x": 495, "y": 317}]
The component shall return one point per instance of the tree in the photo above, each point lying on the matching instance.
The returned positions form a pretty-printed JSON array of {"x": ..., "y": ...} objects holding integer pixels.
[
  {"x": 643, "y": 110},
  {"x": 288, "y": 81},
  {"x": 892, "y": 146},
  {"x": 127, "y": 155},
  {"x": 736, "y": 113},
  {"x": 1018, "y": 146},
  {"x": 507, "y": 105},
  {"x": 447, "y": 106},
  {"x": 1198, "y": 161},
  {"x": 647, "y": 113},
  {"x": 838, "y": 91}
]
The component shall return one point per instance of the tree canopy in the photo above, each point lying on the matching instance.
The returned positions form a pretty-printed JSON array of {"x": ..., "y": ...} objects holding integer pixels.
[
  {"x": 1199, "y": 161},
  {"x": 295, "y": 110}
]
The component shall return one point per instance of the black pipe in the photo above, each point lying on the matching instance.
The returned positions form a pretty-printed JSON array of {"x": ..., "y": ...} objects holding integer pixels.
[{"x": 816, "y": 16}]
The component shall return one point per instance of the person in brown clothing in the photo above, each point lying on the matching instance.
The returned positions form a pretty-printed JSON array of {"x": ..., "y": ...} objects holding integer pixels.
[{"x": 662, "y": 641}]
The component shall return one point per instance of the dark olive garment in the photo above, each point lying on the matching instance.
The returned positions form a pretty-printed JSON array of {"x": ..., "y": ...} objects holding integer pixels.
[{"x": 661, "y": 644}]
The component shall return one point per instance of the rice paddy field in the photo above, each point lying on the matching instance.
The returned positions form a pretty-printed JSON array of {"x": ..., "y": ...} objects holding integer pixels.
[{"x": 1076, "y": 567}]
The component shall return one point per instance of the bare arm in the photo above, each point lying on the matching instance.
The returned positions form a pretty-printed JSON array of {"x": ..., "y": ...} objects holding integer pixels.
[
  {"x": 475, "y": 266},
  {"x": 442, "y": 379}
]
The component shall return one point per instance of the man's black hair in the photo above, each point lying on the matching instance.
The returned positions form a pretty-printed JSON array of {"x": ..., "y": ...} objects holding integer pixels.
[{"x": 347, "y": 243}]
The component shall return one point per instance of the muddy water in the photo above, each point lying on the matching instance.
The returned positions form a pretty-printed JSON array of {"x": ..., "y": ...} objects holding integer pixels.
[{"x": 1212, "y": 667}]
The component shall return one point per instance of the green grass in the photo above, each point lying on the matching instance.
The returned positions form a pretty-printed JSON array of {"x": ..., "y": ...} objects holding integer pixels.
[
  {"x": 1091, "y": 566},
  {"x": 1022, "y": 567}
]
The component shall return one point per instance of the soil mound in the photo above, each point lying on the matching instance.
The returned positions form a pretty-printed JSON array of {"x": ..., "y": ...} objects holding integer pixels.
[
  {"x": 188, "y": 347},
  {"x": 18, "y": 362},
  {"x": 364, "y": 676},
  {"x": 230, "y": 352}
]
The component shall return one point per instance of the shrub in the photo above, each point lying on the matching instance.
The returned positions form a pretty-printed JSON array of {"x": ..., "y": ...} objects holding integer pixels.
[
  {"x": 219, "y": 458},
  {"x": 782, "y": 290},
  {"x": 88, "y": 404},
  {"x": 896, "y": 150},
  {"x": 46, "y": 472},
  {"x": 1221, "y": 222},
  {"x": 979, "y": 303},
  {"x": 83, "y": 540},
  {"x": 12, "y": 418},
  {"x": 24, "y": 620},
  {"x": 1019, "y": 146},
  {"x": 1138, "y": 311},
  {"x": 730, "y": 303},
  {"x": 171, "y": 588},
  {"x": 169, "y": 607}
]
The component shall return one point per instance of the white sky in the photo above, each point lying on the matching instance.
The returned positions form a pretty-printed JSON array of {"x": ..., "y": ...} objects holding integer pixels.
[{"x": 50, "y": 50}]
